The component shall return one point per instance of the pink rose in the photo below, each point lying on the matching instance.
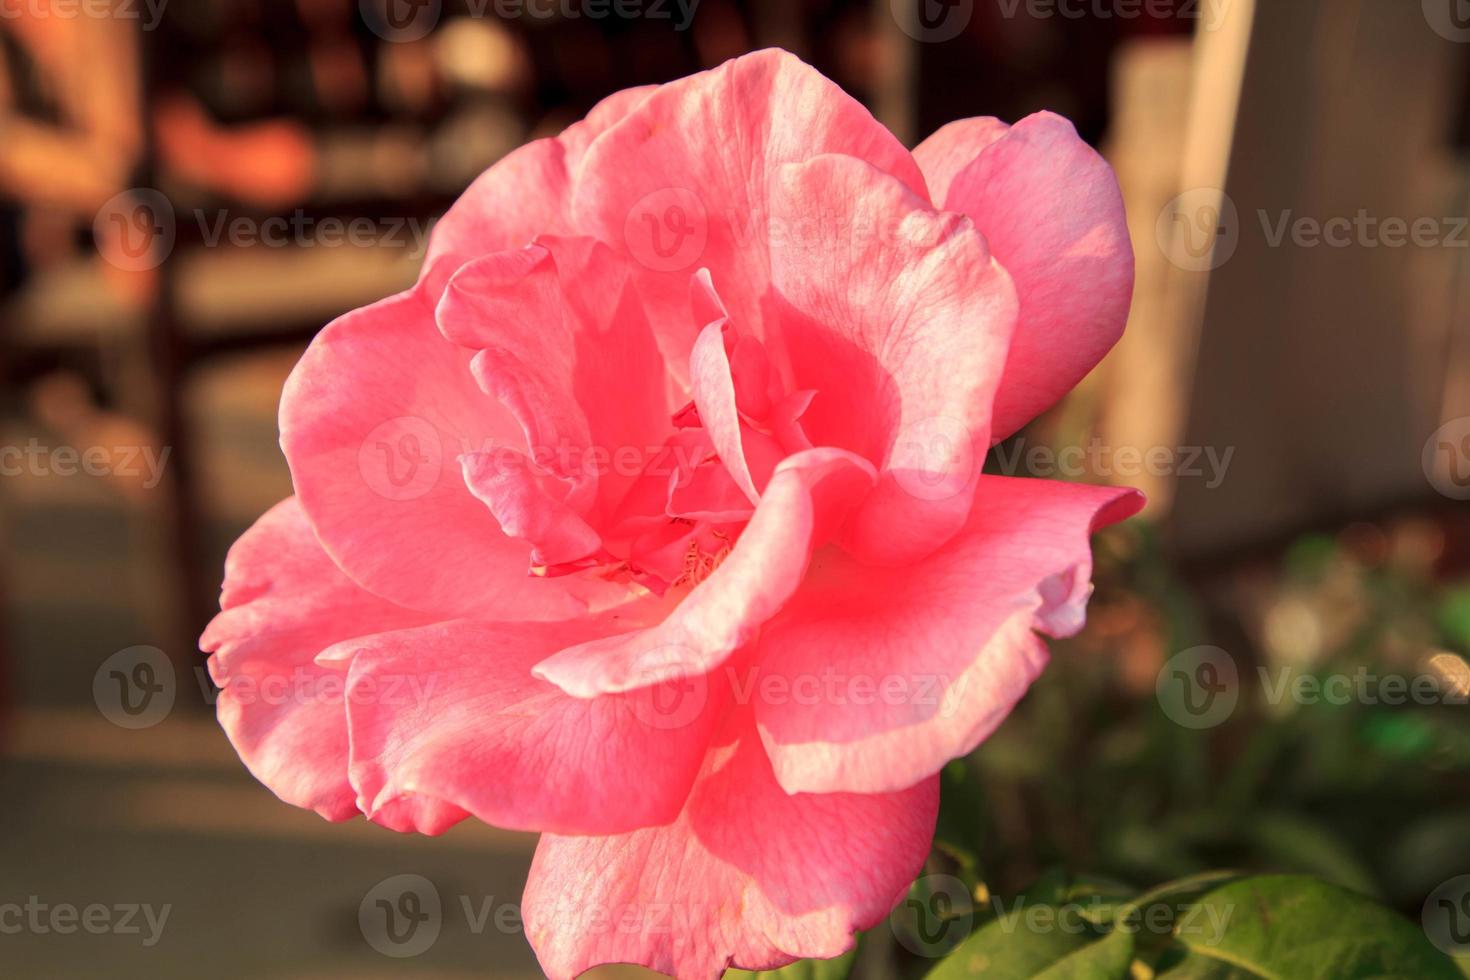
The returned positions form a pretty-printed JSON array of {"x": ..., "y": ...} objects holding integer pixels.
[{"x": 665, "y": 533}]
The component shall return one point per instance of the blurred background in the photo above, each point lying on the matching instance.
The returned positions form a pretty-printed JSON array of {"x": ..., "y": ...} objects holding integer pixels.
[{"x": 189, "y": 189}]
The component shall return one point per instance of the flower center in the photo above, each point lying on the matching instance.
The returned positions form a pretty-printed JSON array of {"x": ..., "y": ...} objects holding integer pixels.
[{"x": 700, "y": 564}]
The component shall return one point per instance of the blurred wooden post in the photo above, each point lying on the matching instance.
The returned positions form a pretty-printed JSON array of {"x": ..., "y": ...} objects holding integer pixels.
[
  {"x": 194, "y": 588},
  {"x": 1322, "y": 367},
  {"x": 1174, "y": 101}
]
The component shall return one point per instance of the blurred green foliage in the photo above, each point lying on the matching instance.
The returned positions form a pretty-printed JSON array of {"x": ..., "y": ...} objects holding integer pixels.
[{"x": 1090, "y": 771}]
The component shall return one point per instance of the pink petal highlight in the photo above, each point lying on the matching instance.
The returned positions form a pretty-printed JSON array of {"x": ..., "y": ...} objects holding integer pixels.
[
  {"x": 417, "y": 815},
  {"x": 714, "y": 395}
]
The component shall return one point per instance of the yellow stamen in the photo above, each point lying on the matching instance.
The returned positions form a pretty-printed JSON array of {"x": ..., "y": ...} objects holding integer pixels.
[{"x": 700, "y": 564}]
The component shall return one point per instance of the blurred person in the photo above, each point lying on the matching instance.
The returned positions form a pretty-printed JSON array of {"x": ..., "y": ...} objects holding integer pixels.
[
  {"x": 270, "y": 163},
  {"x": 70, "y": 130},
  {"x": 71, "y": 141},
  {"x": 276, "y": 102},
  {"x": 70, "y": 137},
  {"x": 221, "y": 124}
]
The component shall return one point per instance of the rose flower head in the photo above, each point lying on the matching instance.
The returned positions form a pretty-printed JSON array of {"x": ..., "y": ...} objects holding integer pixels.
[{"x": 652, "y": 517}]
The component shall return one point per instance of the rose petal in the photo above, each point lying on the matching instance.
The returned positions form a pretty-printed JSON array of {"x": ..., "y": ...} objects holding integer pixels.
[
  {"x": 1052, "y": 212},
  {"x": 451, "y": 711},
  {"x": 505, "y": 482},
  {"x": 564, "y": 345},
  {"x": 525, "y": 194},
  {"x": 806, "y": 500},
  {"x": 912, "y": 667},
  {"x": 747, "y": 876},
  {"x": 682, "y": 181},
  {"x": 284, "y": 602},
  {"x": 372, "y": 420},
  {"x": 899, "y": 319},
  {"x": 953, "y": 147},
  {"x": 714, "y": 395}
]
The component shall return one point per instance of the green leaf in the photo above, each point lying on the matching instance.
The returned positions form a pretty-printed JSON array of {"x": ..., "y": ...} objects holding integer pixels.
[
  {"x": 1199, "y": 968},
  {"x": 1039, "y": 942},
  {"x": 1106, "y": 959},
  {"x": 1058, "y": 886},
  {"x": 1454, "y": 616},
  {"x": 1186, "y": 888},
  {"x": 1286, "y": 927},
  {"x": 1049, "y": 888},
  {"x": 1105, "y": 905},
  {"x": 837, "y": 969}
]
